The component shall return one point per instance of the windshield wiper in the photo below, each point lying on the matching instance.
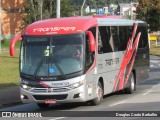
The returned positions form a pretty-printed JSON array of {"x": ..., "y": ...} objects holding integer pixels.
[
  {"x": 54, "y": 62},
  {"x": 38, "y": 66}
]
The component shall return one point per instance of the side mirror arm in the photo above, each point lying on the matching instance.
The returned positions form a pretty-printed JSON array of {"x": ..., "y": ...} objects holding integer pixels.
[
  {"x": 12, "y": 44},
  {"x": 91, "y": 41}
]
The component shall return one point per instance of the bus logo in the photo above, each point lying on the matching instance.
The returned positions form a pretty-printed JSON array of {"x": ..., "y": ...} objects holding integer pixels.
[
  {"x": 50, "y": 90},
  {"x": 113, "y": 61},
  {"x": 53, "y": 29}
]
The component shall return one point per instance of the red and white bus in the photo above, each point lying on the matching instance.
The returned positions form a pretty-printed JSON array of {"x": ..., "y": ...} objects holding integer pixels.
[{"x": 81, "y": 59}]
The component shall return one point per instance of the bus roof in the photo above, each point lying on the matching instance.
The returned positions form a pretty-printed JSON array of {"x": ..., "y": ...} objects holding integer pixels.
[
  {"x": 70, "y": 25},
  {"x": 116, "y": 22}
]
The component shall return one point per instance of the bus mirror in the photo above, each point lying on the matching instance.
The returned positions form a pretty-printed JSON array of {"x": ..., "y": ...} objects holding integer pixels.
[
  {"x": 12, "y": 44},
  {"x": 91, "y": 41}
]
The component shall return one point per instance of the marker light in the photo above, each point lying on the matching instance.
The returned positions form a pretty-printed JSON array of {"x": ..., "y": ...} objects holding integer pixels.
[
  {"x": 22, "y": 96},
  {"x": 89, "y": 90},
  {"x": 80, "y": 94}
]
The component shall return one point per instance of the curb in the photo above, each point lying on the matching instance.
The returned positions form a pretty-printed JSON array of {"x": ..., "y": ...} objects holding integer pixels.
[{"x": 10, "y": 104}]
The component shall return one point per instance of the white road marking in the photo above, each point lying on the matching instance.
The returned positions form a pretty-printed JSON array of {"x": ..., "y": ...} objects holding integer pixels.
[
  {"x": 151, "y": 65},
  {"x": 153, "y": 61},
  {"x": 147, "y": 92},
  {"x": 58, "y": 118},
  {"x": 156, "y": 85},
  {"x": 117, "y": 103}
]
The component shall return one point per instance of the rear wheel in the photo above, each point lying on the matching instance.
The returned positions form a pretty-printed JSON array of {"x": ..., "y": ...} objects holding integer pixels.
[
  {"x": 42, "y": 105},
  {"x": 99, "y": 97},
  {"x": 132, "y": 87}
]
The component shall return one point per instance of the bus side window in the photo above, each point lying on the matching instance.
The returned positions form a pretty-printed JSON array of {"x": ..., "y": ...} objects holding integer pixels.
[
  {"x": 143, "y": 41},
  {"x": 104, "y": 37},
  {"x": 100, "y": 45},
  {"x": 123, "y": 37},
  {"x": 89, "y": 55},
  {"x": 115, "y": 38}
]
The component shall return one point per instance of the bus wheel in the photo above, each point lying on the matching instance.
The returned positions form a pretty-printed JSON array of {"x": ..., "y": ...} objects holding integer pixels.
[
  {"x": 132, "y": 87},
  {"x": 42, "y": 105},
  {"x": 99, "y": 97}
]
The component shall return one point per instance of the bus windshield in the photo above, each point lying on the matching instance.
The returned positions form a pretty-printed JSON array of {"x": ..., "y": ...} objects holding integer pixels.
[{"x": 52, "y": 55}]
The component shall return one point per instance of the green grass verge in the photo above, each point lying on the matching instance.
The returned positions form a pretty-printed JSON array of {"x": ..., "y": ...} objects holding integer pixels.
[
  {"x": 155, "y": 50},
  {"x": 6, "y": 43},
  {"x": 9, "y": 66}
]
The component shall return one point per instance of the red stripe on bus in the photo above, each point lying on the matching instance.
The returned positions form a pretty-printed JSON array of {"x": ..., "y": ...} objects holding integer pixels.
[
  {"x": 119, "y": 79},
  {"x": 135, "y": 46},
  {"x": 45, "y": 85}
]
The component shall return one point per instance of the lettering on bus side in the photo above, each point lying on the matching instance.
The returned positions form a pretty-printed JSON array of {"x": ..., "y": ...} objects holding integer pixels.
[
  {"x": 52, "y": 29},
  {"x": 113, "y": 61}
]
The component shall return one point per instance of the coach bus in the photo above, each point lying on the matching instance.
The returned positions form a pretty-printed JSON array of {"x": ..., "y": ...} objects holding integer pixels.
[{"x": 81, "y": 59}]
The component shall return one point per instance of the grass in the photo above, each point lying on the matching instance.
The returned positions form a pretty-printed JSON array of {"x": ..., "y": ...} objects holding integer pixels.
[
  {"x": 155, "y": 50},
  {"x": 5, "y": 44},
  {"x": 9, "y": 66}
]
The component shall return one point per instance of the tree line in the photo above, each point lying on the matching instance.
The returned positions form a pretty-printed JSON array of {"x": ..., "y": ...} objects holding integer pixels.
[{"x": 147, "y": 10}]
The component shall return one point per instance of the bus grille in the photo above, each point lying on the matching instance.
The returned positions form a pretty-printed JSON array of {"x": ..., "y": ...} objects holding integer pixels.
[
  {"x": 44, "y": 90},
  {"x": 47, "y": 97}
]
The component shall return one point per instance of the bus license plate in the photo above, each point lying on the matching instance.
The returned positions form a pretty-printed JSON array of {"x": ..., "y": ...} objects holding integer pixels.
[{"x": 50, "y": 101}]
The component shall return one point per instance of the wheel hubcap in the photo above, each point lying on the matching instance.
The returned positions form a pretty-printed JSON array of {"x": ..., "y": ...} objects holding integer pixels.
[
  {"x": 99, "y": 91},
  {"x": 132, "y": 83}
]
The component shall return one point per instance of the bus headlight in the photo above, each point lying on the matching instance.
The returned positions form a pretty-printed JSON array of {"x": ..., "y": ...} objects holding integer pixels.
[
  {"x": 78, "y": 84},
  {"x": 24, "y": 86}
]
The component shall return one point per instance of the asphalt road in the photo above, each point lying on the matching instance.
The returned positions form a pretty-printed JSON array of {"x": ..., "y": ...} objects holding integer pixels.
[{"x": 146, "y": 98}]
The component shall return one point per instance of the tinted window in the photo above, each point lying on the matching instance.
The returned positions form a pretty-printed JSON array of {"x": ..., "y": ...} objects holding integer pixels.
[
  {"x": 124, "y": 33},
  {"x": 113, "y": 38},
  {"x": 104, "y": 40},
  {"x": 144, "y": 36}
]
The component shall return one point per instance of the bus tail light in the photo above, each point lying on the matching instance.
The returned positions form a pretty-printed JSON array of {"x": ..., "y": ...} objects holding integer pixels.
[{"x": 12, "y": 44}]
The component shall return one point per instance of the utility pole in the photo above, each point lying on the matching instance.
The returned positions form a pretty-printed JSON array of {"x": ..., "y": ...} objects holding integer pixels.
[
  {"x": 58, "y": 9},
  {"x": 131, "y": 11},
  {"x": 82, "y": 7},
  {"x": 41, "y": 8},
  {"x": 51, "y": 8}
]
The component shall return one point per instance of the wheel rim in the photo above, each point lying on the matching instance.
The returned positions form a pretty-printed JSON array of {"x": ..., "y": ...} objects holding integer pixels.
[
  {"x": 132, "y": 83},
  {"x": 99, "y": 93}
]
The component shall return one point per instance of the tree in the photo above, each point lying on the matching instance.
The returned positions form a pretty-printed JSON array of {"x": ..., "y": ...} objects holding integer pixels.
[
  {"x": 149, "y": 11},
  {"x": 32, "y": 10}
]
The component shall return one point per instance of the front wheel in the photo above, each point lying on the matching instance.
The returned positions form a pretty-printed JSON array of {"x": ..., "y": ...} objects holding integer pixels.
[
  {"x": 99, "y": 97},
  {"x": 132, "y": 87},
  {"x": 42, "y": 105}
]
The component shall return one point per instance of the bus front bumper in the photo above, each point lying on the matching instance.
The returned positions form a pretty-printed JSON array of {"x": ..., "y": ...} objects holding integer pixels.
[{"x": 74, "y": 95}]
